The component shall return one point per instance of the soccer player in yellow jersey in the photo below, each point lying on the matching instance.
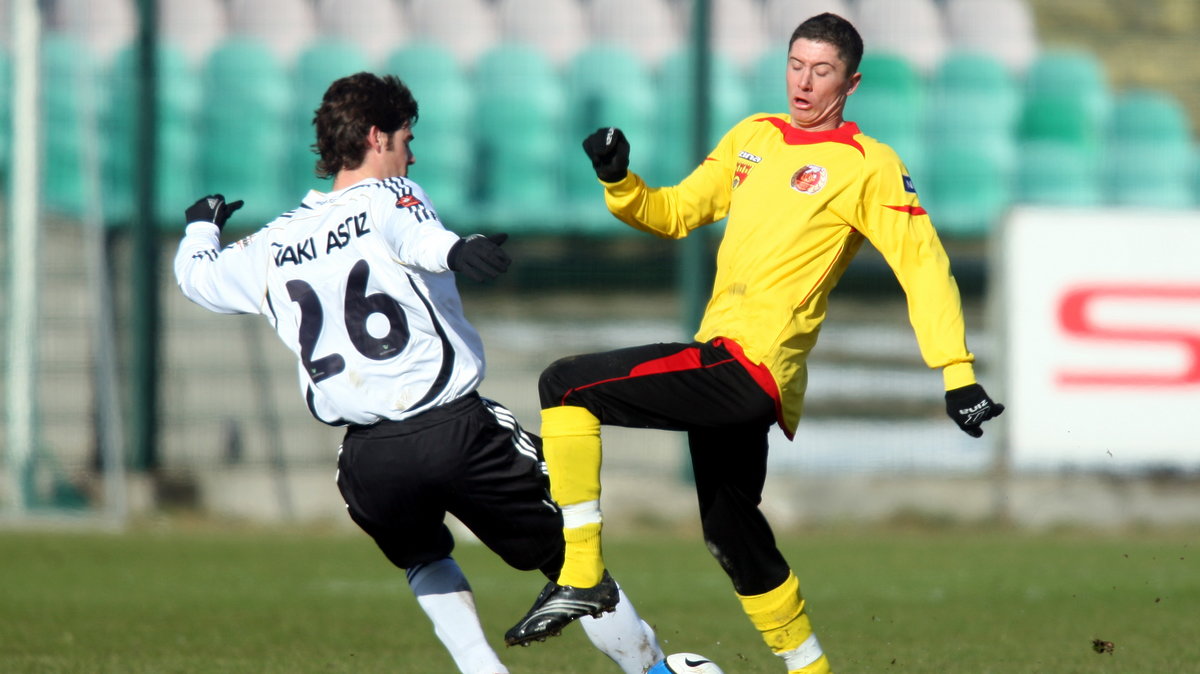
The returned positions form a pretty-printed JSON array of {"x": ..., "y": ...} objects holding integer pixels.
[{"x": 802, "y": 191}]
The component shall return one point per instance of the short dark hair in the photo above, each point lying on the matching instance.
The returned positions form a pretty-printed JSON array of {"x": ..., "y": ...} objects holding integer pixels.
[
  {"x": 833, "y": 29},
  {"x": 350, "y": 107}
]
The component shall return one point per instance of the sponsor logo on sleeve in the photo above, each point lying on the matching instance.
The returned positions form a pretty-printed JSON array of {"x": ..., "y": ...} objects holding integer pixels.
[
  {"x": 908, "y": 184},
  {"x": 408, "y": 201}
]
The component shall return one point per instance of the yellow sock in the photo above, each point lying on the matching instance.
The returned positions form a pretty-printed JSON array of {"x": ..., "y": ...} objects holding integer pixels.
[
  {"x": 583, "y": 565},
  {"x": 779, "y": 616},
  {"x": 571, "y": 445}
]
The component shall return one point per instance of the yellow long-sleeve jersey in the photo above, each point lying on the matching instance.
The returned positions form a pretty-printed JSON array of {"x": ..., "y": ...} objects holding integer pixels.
[{"x": 799, "y": 205}]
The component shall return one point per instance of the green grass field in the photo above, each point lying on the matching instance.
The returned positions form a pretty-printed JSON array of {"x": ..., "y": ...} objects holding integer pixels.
[{"x": 210, "y": 599}]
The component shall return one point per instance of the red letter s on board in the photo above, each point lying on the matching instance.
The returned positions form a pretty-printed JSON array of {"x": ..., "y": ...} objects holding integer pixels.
[{"x": 1073, "y": 318}]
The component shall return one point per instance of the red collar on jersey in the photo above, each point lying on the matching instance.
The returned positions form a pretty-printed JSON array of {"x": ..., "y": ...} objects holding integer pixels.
[{"x": 844, "y": 134}]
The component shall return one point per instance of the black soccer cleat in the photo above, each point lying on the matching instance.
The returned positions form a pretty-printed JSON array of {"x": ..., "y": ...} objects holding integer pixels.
[{"x": 558, "y": 606}]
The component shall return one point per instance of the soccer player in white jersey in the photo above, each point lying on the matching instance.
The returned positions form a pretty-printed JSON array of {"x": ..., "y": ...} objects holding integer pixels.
[{"x": 359, "y": 284}]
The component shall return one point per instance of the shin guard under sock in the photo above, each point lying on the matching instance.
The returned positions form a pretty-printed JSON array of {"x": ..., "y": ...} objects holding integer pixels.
[
  {"x": 571, "y": 445},
  {"x": 779, "y": 615}
]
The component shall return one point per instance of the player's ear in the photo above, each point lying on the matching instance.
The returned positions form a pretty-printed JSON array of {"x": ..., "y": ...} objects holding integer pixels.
[{"x": 855, "y": 79}]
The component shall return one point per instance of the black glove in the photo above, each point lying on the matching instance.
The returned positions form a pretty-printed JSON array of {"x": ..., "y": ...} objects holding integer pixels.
[
  {"x": 211, "y": 209},
  {"x": 479, "y": 257},
  {"x": 609, "y": 152},
  {"x": 970, "y": 406}
]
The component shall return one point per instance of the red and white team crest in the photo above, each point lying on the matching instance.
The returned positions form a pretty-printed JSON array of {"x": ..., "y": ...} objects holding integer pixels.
[
  {"x": 746, "y": 162},
  {"x": 740, "y": 173},
  {"x": 810, "y": 179}
]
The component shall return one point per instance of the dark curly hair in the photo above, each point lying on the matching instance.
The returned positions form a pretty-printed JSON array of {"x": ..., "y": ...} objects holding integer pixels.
[
  {"x": 833, "y": 29},
  {"x": 350, "y": 107}
]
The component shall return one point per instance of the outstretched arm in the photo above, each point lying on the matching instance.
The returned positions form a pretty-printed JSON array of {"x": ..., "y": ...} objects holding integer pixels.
[
  {"x": 225, "y": 280},
  {"x": 901, "y": 230}
]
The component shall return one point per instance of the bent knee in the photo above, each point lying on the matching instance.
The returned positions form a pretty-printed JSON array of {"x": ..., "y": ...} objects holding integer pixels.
[{"x": 553, "y": 383}]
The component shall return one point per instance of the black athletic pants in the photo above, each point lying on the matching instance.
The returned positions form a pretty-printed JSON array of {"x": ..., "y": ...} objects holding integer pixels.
[{"x": 704, "y": 390}]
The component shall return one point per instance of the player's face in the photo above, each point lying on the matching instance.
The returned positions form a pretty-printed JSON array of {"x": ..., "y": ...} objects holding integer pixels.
[
  {"x": 398, "y": 152},
  {"x": 817, "y": 85}
]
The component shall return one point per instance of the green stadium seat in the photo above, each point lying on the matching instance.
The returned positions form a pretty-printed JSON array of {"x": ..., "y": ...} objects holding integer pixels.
[
  {"x": 317, "y": 65},
  {"x": 177, "y": 151},
  {"x": 607, "y": 85},
  {"x": 1073, "y": 74},
  {"x": 971, "y": 120},
  {"x": 444, "y": 144},
  {"x": 1143, "y": 175},
  {"x": 889, "y": 105},
  {"x": 245, "y": 135},
  {"x": 973, "y": 100},
  {"x": 973, "y": 72},
  {"x": 1067, "y": 102},
  {"x": 70, "y": 99},
  {"x": 436, "y": 79},
  {"x": 1149, "y": 151},
  {"x": 1057, "y": 173},
  {"x": 521, "y": 140},
  {"x": 1150, "y": 116},
  {"x": 729, "y": 104},
  {"x": 965, "y": 189},
  {"x": 892, "y": 73},
  {"x": 1060, "y": 120}
]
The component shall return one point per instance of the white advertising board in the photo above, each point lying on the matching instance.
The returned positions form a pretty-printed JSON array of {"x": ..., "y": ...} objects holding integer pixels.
[{"x": 1101, "y": 316}]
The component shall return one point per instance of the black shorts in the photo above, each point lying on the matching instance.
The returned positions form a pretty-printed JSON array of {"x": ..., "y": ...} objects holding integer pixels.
[
  {"x": 469, "y": 458},
  {"x": 671, "y": 387}
]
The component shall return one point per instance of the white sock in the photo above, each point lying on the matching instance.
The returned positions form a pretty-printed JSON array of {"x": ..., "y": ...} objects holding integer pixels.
[
  {"x": 803, "y": 655},
  {"x": 442, "y": 591},
  {"x": 623, "y": 636}
]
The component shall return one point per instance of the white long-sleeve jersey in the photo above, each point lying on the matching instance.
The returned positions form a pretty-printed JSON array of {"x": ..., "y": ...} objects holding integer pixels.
[{"x": 355, "y": 282}]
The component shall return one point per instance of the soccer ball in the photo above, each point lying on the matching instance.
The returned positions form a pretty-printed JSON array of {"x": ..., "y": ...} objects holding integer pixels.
[{"x": 686, "y": 663}]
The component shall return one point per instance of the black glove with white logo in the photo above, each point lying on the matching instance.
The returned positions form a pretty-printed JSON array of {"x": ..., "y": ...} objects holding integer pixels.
[
  {"x": 970, "y": 406},
  {"x": 609, "y": 152},
  {"x": 479, "y": 257},
  {"x": 211, "y": 209}
]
